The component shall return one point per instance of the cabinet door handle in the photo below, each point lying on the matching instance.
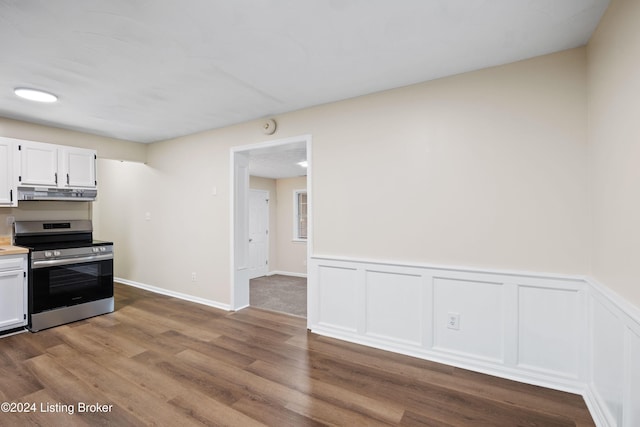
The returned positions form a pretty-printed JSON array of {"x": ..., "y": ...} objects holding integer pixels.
[
  {"x": 67, "y": 179},
  {"x": 55, "y": 175}
]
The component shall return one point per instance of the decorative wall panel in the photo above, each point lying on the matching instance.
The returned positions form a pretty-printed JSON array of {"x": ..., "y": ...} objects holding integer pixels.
[
  {"x": 480, "y": 307},
  {"x": 394, "y": 306},
  {"x": 564, "y": 332}
]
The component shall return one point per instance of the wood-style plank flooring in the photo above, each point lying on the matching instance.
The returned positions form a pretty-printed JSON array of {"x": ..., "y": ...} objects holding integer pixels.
[{"x": 161, "y": 361}]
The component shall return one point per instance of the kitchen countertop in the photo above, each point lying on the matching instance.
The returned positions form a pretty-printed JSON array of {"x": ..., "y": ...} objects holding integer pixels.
[{"x": 6, "y": 248}]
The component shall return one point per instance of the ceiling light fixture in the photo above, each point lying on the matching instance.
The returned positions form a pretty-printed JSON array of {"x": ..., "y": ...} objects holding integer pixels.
[
  {"x": 35, "y": 95},
  {"x": 303, "y": 163}
]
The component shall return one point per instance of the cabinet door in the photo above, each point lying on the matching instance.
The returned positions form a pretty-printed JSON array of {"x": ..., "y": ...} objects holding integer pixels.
[
  {"x": 79, "y": 166},
  {"x": 12, "y": 299},
  {"x": 39, "y": 164},
  {"x": 7, "y": 182}
]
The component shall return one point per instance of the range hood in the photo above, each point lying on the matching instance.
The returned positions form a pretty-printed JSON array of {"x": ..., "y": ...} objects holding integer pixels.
[{"x": 62, "y": 194}]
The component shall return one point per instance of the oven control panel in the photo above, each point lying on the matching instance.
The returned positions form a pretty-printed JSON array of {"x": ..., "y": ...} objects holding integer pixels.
[{"x": 101, "y": 251}]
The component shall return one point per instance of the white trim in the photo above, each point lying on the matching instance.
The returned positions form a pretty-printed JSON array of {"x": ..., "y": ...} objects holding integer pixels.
[
  {"x": 296, "y": 215},
  {"x": 286, "y": 273},
  {"x": 232, "y": 239},
  {"x": 631, "y": 313},
  {"x": 457, "y": 268},
  {"x": 307, "y": 140},
  {"x": 527, "y": 297},
  {"x": 274, "y": 143},
  {"x": 21, "y": 331},
  {"x": 459, "y": 361},
  {"x": 179, "y": 295},
  {"x": 597, "y": 408}
]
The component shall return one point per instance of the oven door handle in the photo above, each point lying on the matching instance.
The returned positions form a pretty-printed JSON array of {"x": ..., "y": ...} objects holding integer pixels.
[{"x": 69, "y": 261}]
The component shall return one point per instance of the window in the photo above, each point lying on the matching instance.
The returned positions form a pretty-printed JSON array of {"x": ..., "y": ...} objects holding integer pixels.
[{"x": 300, "y": 215}]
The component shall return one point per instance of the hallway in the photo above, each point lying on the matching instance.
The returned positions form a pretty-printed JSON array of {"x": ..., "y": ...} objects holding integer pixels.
[{"x": 285, "y": 294}]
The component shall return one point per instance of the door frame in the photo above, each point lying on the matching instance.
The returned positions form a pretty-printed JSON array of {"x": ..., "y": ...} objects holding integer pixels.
[
  {"x": 265, "y": 195},
  {"x": 239, "y": 193}
]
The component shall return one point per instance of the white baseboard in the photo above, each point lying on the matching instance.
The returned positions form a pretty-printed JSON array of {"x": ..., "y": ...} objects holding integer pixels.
[
  {"x": 179, "y": 295},
  {"x": 598, "y": 408},
  {"x": 564, "y": 332},
  {"x": 286, "y": 273},
  {"x": 614, "y": 383}
]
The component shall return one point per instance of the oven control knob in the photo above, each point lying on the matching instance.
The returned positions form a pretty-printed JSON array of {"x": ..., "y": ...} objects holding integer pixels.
[
  {"x": 48, "y": 254},
  {"x": 103, "y": 249},
  {"x": 56, "y": 253},
  {"x": 94, "y": 250}
]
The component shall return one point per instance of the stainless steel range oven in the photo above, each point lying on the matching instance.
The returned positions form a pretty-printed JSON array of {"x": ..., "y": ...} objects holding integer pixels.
[{"x": 70, "y": 274}]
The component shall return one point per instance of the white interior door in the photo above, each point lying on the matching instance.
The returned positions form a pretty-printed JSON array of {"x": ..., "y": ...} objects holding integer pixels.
[{"x": 258, "y": 233}]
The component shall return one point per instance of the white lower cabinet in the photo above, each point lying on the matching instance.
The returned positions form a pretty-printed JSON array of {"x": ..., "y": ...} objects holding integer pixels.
[{"x": 13, "y": 291}]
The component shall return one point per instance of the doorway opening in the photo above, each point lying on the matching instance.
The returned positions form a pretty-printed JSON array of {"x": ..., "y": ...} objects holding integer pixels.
[{"x": 267, "y": 216}]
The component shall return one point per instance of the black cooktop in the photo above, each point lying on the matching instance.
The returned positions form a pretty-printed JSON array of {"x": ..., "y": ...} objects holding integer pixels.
[{"x": 47, "y": 246}]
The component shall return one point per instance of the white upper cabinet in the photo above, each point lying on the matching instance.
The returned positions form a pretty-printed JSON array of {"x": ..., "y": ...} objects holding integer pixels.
[
  {"x": 50, "y": 165},
  {"x": 80, "y": 167},
  {"x": 8, "y": 196},
  {"x": 38, "y": 164}
]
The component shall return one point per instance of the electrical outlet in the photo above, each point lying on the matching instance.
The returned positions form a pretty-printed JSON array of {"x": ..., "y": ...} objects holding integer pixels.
[
  {"x": 193, "y": 277},
  {"x": 453, "y": 321}
]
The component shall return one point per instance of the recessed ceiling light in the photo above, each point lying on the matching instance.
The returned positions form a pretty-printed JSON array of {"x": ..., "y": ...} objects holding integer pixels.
[
  {"x": 35, "y": 95},
  {"x": 303, "y": 163}
]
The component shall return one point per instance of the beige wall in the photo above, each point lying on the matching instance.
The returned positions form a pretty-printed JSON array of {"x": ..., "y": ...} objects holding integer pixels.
[
  {"x": 487, "y": 169},
  {"x": 188, "y": 228},
  {"x": 292, "y": 255},
  {"x": 106, "y": 147},
  {"x": 614, "y": 129},
  {"x": 484, "y": 169}
]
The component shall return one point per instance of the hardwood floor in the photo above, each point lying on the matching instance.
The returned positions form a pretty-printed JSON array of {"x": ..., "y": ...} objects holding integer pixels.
[{"x": 161, "y": 361}]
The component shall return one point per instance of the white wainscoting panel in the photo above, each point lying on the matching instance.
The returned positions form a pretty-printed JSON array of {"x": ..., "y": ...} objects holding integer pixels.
[
  {"x": 394, "y": 306},
  {"x": 565, "y": 332},
  {"x": 608, "y": 359},
  {"x": 548, "y": 321},
  {"x": 338, "y": 297},
  {"x": 632, "y": 401},
  {"x": 613, "y": 394},
  {"x": 520, "y": 326},
  {"x": 480, "y": 306}
]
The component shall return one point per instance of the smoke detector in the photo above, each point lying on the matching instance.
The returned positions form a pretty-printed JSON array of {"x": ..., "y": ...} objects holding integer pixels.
[{"x": 269, "y": 127}]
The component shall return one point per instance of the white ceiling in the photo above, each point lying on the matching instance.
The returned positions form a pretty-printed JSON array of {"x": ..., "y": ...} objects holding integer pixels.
[
  {"x": 145, "y": 70},
  {"x": 279, "y": 161}
]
